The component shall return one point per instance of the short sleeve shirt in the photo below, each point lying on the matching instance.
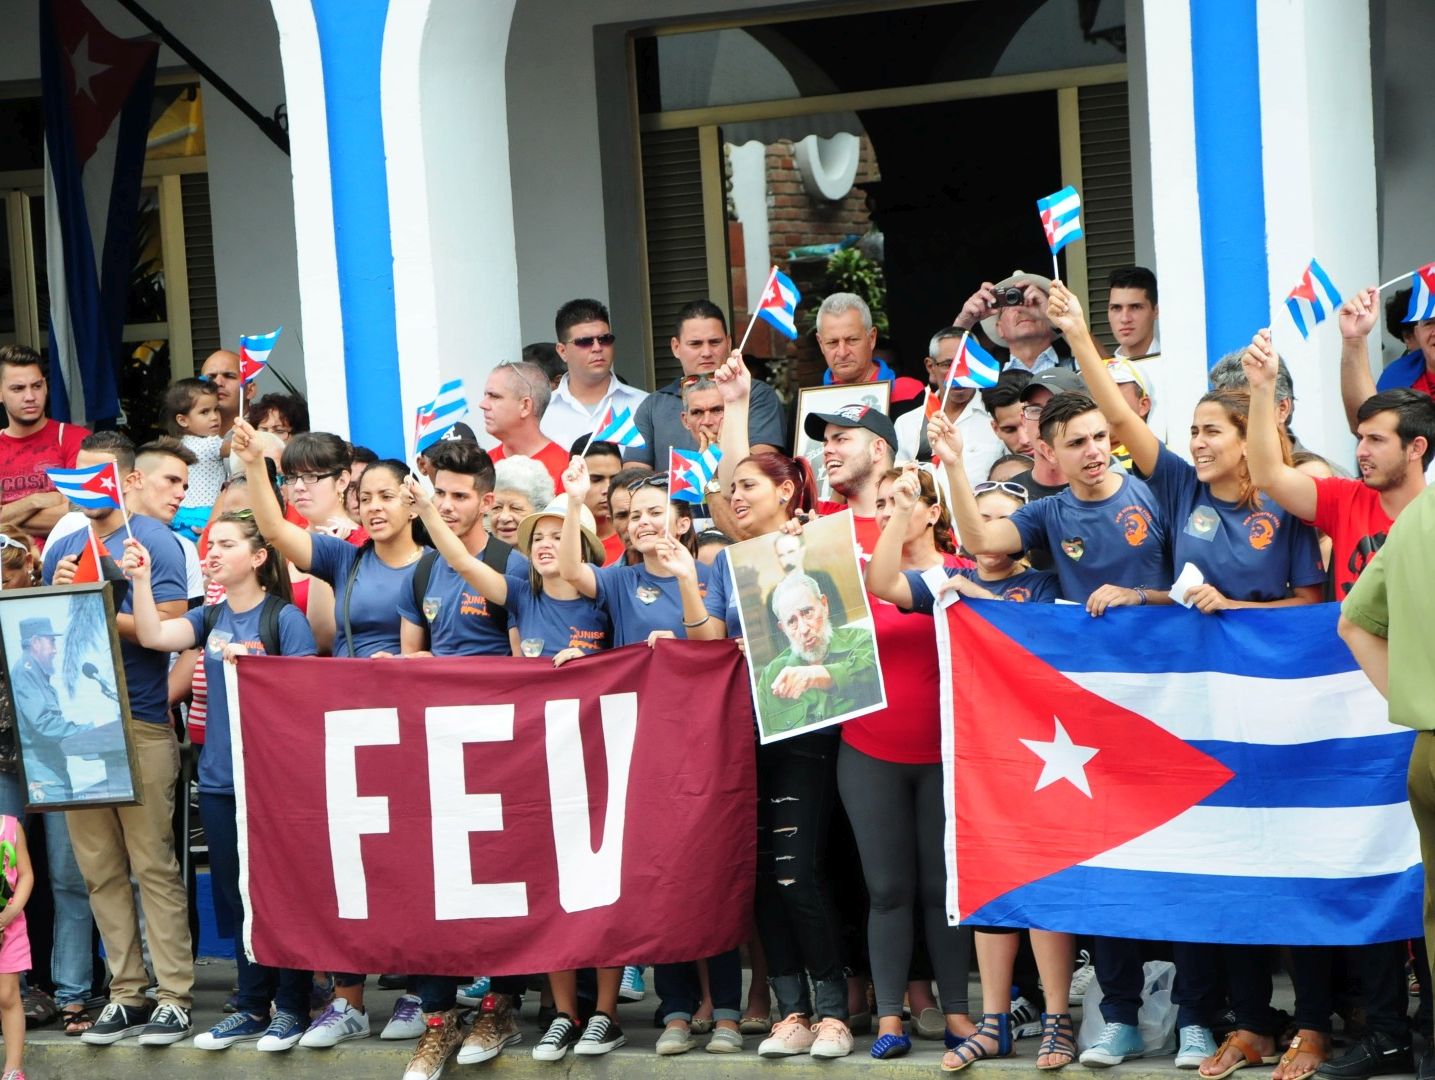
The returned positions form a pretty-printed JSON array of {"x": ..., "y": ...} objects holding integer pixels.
[
  {"x": 1349, "y": 512},
  {"x": 639, "y": 602},
  {"x": 379, "y": 589},
  {"x": 1027, "y": 587},
  {"x": 146, "y": 670},
  {"x": 216, "y": 764},
  {"x": 207, "y": 474},
  {"x": 460, "y": 620},
  {"x": 552, "y": 457},
  {"x": 23, "y": 462},
  {"x": 1119, "y": 540},
  {"x": 559, "y": 624},
  {"x": 1248, "y": 554}
]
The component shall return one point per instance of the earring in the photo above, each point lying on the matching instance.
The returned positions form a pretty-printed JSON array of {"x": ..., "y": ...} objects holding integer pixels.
[{"x": 782, "y": 500}]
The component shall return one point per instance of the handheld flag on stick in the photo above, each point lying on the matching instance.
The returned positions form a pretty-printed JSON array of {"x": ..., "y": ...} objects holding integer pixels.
[
  {"x": 254, "y": 350},
  {"x": 973, "y": 368},
  {"x": 1060, "y": 220},
  {"x": 1422, "y": 295},
  {"x": 97, "y": 487},
  {"x": 690, "y": 472},
  {"x": 777, "y": 306},
  {"x": 89, "y": 567},
  {"x": 1313, "y": 299},
  {"x": 435, "y": 419},
  {"x": 618, "y": 427}
]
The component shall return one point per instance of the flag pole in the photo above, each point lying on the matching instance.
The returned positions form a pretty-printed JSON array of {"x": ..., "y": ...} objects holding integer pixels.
[
  {"x": 1055, "y": 270},
  {"x": 1394, "y": 281},
  {"x": 952, "y": 371},
  {"x": 120, "y": 498},
  {"x": 771, "y": 277}
]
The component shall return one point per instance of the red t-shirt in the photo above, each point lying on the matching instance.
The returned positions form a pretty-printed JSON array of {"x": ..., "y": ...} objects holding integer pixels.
[
  {"x": 1425, "y": 384},
  {"x": 613, "y": 549},
  {"x": 23, "y": 461},
  {"x": 1349, "y": 512},
  {"x": 552, "y": 457},
  {"x": 866, "y": 527},
  {"x": 909, "y": 729}
]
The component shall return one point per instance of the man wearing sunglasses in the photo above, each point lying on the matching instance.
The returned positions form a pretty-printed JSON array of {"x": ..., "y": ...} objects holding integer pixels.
[
  {"x": 700, "y": 343},
  {"x": 585, "y": 342}
]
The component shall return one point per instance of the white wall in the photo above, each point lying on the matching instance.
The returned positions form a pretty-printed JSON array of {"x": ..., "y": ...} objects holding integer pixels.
[{"x": 251, "y": 201}]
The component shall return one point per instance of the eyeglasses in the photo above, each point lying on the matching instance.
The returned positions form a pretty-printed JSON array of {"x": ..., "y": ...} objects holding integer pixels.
[
  {"x": 657, "y": 480},
  {"x": 1016, "y": 491},
  {"x": 693, "y": 380},
  {"x": 587, "y": 342},
  {"x": 309, "y": 478},
  {"x": 1031, "y": 412}
]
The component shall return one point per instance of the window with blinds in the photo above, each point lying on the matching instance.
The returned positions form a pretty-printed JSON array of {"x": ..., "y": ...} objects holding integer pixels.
[
  {"x": 199, "y": 260},
  {"x": 676, "y": 241},
  {"x": 1106, "y": 193}
]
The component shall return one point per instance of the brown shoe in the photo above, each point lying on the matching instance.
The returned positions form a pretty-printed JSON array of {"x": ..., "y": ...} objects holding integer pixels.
[
  {"x": 494, "y": 1029},
  {"x": 443, "y": 1031}
]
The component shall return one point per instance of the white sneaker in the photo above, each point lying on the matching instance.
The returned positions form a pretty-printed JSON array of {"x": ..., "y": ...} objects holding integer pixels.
[
  {"x": 833, "y": 1039},
  {"x": 283, "y": 1032},
  {"x": 1081, "y": 977},
  {"x": 338, "y": 1023},
  {"x": 408, "y": 1019}
]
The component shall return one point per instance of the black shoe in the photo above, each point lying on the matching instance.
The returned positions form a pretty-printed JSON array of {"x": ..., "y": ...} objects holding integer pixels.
[
  {"x": 1377, "y": 1054},
  {"x": 167, "y": 1025},
  {"x": 393, "y": 982},
  {"x": 1426, "y": 1069},
  {"x": 115, "y": 1023}
]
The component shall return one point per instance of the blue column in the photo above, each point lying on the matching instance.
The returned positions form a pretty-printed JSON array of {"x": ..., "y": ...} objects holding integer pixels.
[
  {"x": 351, "y": 37},
  {"x": 1225, "y": 72}
]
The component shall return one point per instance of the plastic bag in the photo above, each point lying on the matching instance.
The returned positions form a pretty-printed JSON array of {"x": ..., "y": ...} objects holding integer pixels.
[{"x": 1157, "y": 1018}]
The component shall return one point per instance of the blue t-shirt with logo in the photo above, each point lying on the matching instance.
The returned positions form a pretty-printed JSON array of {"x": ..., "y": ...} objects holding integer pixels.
[
  {"x": 1029, "y": 586},
  {"x": 580, "y": 623},
  {"x": 1122, "y": 539},
  {"x": 639, "y": 602},
  {"x": 378, "y": 591},
  {"x": 146, "y": 670},
  {"x": 1247, "y": 554},
  {"x": 216, "y": 764},
  {"x": 721, "y": 596},
  {"x": 460, "y": 619}
]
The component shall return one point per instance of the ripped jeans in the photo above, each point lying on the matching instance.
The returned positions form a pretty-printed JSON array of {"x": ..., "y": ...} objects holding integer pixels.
[{"x": 796, "y": 917}]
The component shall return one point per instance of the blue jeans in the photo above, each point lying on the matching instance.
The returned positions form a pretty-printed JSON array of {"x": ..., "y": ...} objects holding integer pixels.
[
  {"x": 72, "y": 956},
  {"x": 681, "y": 993},
  {"x": 258, "y": 984}
]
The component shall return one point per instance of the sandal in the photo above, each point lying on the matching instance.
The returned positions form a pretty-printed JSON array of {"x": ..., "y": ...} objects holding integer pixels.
[
  {"x": 1249, "y": 1056},
  {"x": 77, "y": 1019},
  {"x": 754, "y": 1025},
  {"x": 1313, "y": 1045},
  {"x": 1058, "y": 1039},
  {"x": 994, "y": 1026}
]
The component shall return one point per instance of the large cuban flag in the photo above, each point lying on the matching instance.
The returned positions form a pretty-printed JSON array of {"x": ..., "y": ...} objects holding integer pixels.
[
  {"x": 1157, "y": 773},
  {"x": 97, "y": 90}
]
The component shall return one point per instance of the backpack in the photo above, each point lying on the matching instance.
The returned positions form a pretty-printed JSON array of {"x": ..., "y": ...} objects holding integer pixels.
[{"x": 268, "y": 624}]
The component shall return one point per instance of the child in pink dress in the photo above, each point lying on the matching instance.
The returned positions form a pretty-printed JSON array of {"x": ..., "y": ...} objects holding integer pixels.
[{"x": 16, "y": 881}]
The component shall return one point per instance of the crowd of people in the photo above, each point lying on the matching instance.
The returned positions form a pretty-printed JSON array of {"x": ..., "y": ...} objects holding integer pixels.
[{"x": 243, "y": 531}]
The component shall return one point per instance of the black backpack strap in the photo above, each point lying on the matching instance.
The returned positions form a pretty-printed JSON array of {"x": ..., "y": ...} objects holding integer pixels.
[
  {"x": 269, "y": 626},
  {"x": 211, "y": 617},
  {"x": 349, "y": 594},
  {"x": 423, "y": 571},
  {"x": 495, "y": 554}
]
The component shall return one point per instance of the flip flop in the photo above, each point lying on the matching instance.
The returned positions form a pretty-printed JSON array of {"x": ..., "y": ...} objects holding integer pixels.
[
  {"x": 1249, "y": 1056},
  {"x": 1305, "y": 1042}
]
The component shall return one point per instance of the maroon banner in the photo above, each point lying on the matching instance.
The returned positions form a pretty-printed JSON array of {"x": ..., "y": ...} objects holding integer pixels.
[{"x": 495, "y": 815}]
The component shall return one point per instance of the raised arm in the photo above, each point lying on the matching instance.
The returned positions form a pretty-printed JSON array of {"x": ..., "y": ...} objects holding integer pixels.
[
  {"x": 735, "y": 385},
  {"x": 1358, "y": 317},
  {"x": 151, "y": 629},
  {"x": 1288, "y": 486},
  {"x": 575, "y": 571},
  {"x": 977, "y": 536},
  {"x": 489, "y": 582},
  {"x": 293, "y": 543},
  {"x": 1127, "y": 427},
  {"x": 885, "y": 579},
  {"x": 678, "y": 561}
]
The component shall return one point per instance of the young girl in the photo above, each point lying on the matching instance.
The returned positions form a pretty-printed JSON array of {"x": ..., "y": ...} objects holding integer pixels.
[
  {"x": 255, "y": 581},
  {"x": 15, "y": 885},
  {"x": 191, "y": 408}
]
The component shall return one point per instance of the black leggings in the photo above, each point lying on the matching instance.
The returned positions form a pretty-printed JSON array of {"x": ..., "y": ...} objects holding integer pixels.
[{"x": 899, "y": 818}]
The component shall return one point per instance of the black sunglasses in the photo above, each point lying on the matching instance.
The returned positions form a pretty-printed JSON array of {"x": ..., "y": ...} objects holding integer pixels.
[{"x": 587, "y": 342}]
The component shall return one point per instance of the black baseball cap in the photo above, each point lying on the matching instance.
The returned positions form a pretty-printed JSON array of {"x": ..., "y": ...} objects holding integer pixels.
[
  {"x": 1057, "y": 380},
  {"x": 863, "y": 416}
]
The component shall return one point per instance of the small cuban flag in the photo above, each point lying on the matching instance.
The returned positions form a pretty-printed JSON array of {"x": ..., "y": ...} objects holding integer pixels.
[
  {"x": 438, "y": 417},
  {"x": 94, "y": 488},
  {"x": 973, "y": 368},
  {"x": 689, "y": 472},
  {"x": 618, "y": 427},
  {"x": 1313, "y": 299},
  {"x": 1422, "y": 295},
  {"x": 779, "y": 303},
  {"x": 254, "y": 350},
  {"x": 1061, "y": 217}
]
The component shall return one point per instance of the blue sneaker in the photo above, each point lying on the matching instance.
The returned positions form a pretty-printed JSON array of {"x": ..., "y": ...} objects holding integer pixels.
[
  {"x": 239, "y": 1027},
  {"x": 1115, "y": 1044},
  {"x": 891, "y": 1046},
  {"x": 632, "y": 988},
  {"x": 283, "y": 1032},
  {"x": 473, "y": 994}
]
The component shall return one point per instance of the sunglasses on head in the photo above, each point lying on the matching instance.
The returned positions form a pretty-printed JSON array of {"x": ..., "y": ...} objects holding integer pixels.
[
  {"x": 657, "y": 480},
  {"x": 587, "y": 342},
  {"x": 1016, "y": 491}
]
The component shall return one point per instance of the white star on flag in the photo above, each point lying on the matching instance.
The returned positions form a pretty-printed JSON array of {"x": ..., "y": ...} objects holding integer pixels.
[
  {"x": 106, "y": 483},
  {"x": 85, "y": 68},
  {"x": 1062, "y": 760}
]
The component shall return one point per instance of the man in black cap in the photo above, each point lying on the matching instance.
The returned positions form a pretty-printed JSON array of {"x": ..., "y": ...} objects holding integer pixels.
[
  {"x": 38, "y": 708},
  {"x": 858, "y": 444},
  {"x": 1044, "y": 478},
  {"x": 1012, "y": 312}
]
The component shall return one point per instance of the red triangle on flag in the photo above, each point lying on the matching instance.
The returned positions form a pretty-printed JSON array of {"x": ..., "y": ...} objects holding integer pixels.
[
  {"x": 1027, "y": 740},
  {"x": 89, "y": 566}
]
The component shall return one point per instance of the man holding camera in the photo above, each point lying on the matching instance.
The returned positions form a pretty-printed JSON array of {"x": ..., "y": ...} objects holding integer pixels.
[{"x": 1013, "y": 314}]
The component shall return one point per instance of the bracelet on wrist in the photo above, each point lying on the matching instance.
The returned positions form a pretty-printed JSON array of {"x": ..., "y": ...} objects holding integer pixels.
[
  {"x": 693, "y": 625},
  {"x": 1140, "y": 597}
]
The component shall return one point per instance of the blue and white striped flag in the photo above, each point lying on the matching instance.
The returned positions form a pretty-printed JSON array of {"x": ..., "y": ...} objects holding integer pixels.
[
  {"x": 618, "y": 427},
  {"x": 96, "y": 487},
  {"x": 1061, "y": 217},
  {"x": 434, "y": 420},
  {"x": 1313, "y": 299}
]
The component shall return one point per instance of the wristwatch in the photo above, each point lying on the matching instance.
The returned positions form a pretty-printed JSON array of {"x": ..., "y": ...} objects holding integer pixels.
[{"x": 712, "y": 487}]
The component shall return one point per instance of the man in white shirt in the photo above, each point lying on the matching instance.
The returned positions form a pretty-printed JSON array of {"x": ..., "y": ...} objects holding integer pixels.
[
  {"x": 1132, "y": 312},
  {"x": 1013, "y": 315},
  {"x": 964, "y": 409},
  {"x": 585, "y": 342}
]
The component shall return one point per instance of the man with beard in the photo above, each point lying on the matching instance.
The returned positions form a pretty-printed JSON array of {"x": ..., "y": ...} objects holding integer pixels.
[{"x": 824, "y": 672}]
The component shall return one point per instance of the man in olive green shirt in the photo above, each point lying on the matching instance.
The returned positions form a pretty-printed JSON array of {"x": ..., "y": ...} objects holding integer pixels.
[
  {"x": 825, "y": 672},
  {"x": 1388, "y": 620}
]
